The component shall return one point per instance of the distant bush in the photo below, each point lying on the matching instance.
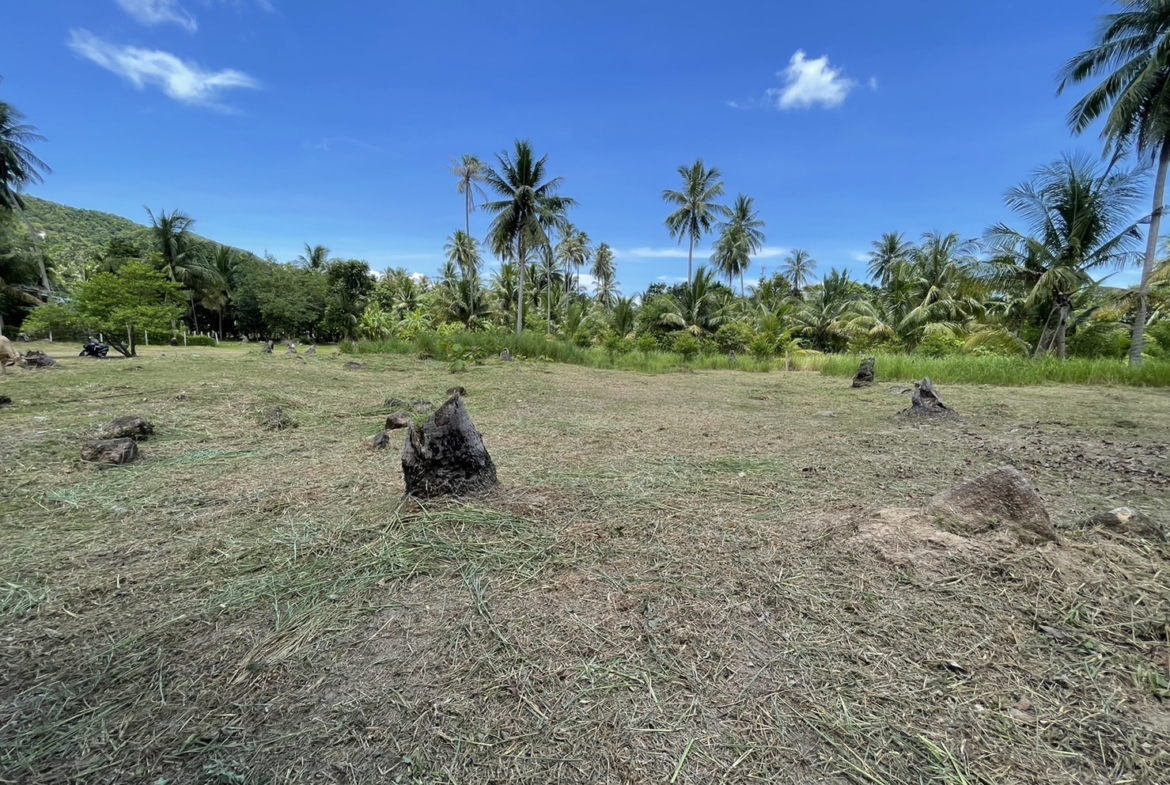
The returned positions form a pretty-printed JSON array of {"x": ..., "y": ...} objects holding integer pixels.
[
  {"x": 200, "y": 340},
  {"x": 734, "y": 337},
  {"x": 687, "y": 346}
]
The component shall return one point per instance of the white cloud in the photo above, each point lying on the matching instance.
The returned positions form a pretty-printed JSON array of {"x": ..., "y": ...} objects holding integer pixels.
[
  {"x": 808, "y": 83},
  {"x": 184, "y": 81},
  {"x": 156, "y": 12},
  {"x": 671, "y": 279},
  {"x": 702, "y": 255},
  {"x": 873, "y": 83}
]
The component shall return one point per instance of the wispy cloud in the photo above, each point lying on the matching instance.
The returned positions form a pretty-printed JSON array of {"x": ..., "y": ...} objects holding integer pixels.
[
  {"x": 179, "y": 79},
  {"x": 809, "y": 83},
  {"x": 157, "y": 12}
]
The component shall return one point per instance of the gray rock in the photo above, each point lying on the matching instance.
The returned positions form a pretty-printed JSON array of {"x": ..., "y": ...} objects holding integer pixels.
[
  {"x": 397, "y": 421},
  {"x": 267, "y": 348},
  {"x": 446, "y": 456},
  {"x": 380, "y": 441},
  {"x": 123, "y": 427},
  {"x": 422, "y": 407},
  {"x": 1002, "y": 498},
  {"x": 1127, "y": 520},
  {"x": 292, "y": 349},
  {"x": 396, "y": 403},
  {"x": 117, "y": 451}
]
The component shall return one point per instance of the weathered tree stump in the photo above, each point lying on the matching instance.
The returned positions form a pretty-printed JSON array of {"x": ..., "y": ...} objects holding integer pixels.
[
  {"x": 380, "y": 441},
  {"x": 267, "y": 348},
  {"x": 292, "y": 348},
  {"x": 276, "y": 420},
  {"x": 456, "y": 391},
  {"x": 446, "y": 456},
  {"x": 5, "y": 400},
  {"x": 117, "y": 451},
  {"x": 926, "y": 402},
  {"x": 864, "y": 377},
  {"x": 38, "y": 359},
  {"x": 312, "y": 350},
  {"x": 243, "y": 339},
  {"x": 126, "y": 427},
  {"x": 506, "y": 356},
  {"x": 397, "y": 421}
]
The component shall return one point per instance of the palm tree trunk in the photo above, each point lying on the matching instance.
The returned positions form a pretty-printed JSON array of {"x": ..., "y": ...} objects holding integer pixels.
[
  {"x": 741, "y": 289},
  {"x": 690, "y": 260},
  {"x": 520, "y": 287},
  {"x": 467, "y": 209},
  {"x": 1061, "y": 329},
  {"x": 1139, "y": 317}
]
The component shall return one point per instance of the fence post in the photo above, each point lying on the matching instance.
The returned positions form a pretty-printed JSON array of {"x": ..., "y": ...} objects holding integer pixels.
[{"x": 146, "y": 335}]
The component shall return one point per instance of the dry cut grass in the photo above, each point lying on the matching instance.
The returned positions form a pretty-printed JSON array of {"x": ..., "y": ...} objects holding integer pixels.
[{"x": 682, "y": 579}]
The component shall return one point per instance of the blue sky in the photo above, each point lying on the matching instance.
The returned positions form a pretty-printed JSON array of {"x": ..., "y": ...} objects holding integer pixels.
[{"x": 279, "y": 122}]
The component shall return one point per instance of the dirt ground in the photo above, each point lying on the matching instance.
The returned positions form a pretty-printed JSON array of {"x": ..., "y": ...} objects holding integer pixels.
[{"x": 684, "y": 578}]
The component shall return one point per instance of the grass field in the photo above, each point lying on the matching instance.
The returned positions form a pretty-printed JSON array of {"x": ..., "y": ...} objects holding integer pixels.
[{"x": 668, "y": 587}]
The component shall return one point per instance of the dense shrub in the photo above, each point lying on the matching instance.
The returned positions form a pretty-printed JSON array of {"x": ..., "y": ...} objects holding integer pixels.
[{"x": 201, "y": 340}]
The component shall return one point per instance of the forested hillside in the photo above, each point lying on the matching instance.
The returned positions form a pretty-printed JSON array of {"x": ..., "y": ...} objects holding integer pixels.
[{"x": 73, "y": 236}]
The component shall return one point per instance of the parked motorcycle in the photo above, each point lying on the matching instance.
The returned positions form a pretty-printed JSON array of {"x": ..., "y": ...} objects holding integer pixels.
[{"x": 94, "y": 349}]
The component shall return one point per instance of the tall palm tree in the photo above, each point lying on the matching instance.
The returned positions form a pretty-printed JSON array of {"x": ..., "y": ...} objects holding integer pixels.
[
  {"x": 1132, "y": 53},
  {"x": 697, "y": 210},
  {"x": 944, "y": 287},
  {"x": 315, "y": 257},
  {"x": 575, "y": 252},
  {"x": 470, "y": 171},
  {"x": 825, "y": 316},
  {"x": 224, "y": 262},
  {"x": 19, "y": 167},
  {"x": 797, "y": 268},
  {"x": 740, "y": 236},
  {"x": 179, "y": 258},
  {"x": 528, "y": 208},
  {"x": 889, "y": 257},
  {"x": 604, "y": 273},
  {"x": 1078, "y": 220},
  {"x": 463, "y": 250}
]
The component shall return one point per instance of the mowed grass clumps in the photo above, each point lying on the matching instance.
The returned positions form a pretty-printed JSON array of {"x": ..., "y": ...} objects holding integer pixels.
[{"x": 667, "y": 587}]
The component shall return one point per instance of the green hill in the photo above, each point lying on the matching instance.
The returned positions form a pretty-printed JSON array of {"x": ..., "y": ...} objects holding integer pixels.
[{"x": 72, "y": 235}]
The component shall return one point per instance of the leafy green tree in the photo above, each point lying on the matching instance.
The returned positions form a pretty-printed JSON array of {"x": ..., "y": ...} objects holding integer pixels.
[
  {"x": 19, "y": 272},
  {"x": 697, "y": 209},
  {"x": 944, "y": 288},
  {"x": 741, "y": 236},
  {"x": 19, "y": 167},
  {"x": 1132, "y": 54},
  {"x": 527, "y": 210},
  {"x": 137, "y": 298},
  {"x": 696, "y": 305},
  {"x": 827, "y": 310},
  {"x": 349, "y": 285},
  {"x": 274, "y": 300},
  {"x": 798, "y": 266},
  {"x": 1078, "y": 220},
  {"x": 463, "y": 250},
  {"x": 470, "y": 172}
]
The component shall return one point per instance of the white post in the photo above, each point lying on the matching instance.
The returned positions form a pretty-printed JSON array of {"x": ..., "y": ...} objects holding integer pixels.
[
  {"x": 146, "y": 335},
  {"x": 129, "y": 337},
  {"x": 184, "y": 336},
  {"x": 50, "y": 336}
]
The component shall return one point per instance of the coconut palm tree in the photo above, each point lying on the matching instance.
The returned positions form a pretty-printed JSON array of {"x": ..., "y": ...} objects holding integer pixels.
[
  {"x": 826, "y": 314},
  {"x": 697, "y": 210},
  {"x": 943, "y": 287},
  {"x": 470, "y": 172},
  {"x": 179, "y": 257},
  {"x": 19, "y": 167},
  {"x": 574, "y": 252},
  {"x": 797, "y": 268},
  {"x": 695, "y": 306},
  {"x": 463, "y": 250},
  {"x": 740, "y": 236},
  {"x": 528, "y": 209},
  {"x": 315, "y": 257},
  {"x": 604, "y": 273},
  {"x": 889, "y": 258},
  {"x": 1132, "y": 54},
  {"x": 1078, "y": 221}
]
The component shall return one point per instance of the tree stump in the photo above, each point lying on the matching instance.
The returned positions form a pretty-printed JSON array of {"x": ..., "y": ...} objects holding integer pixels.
[
  {"x": 312, "y": 350},
  {"x": 292, "y": 349},
  {"x": 267, "y": 348},
  {"x": 5, "y": 400},
  {"x": 506, "y": 356},
  {"x": 116, "y": 451},
  {"x": 37, "y": 359},
  {"x": 1002, "y": 498},
  {"x": 380, "y": 441},
  {"x": 126, "y": 427},
  {"x": 926, "y": 402},
  {"x": 446, "y": 456},
  {"x": 456, "y": 391},
  {"x": 864, "y": 377}
]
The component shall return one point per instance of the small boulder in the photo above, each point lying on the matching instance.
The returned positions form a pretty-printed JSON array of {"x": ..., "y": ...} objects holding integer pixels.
[
  {"x": 446, "y": 456},
  {"x": 1127, "y": 520},
  {"x": 456, "y": 391},
  {"x": 997, "y": 499},
  {"x": 397, "y": 421},
  {"x": 126, "y": 427},
  {"x": 354, "y": 366},
  {"x": 380, "y": 441},
  {"x": 117, "y": 451},
  {"x": 267, "y": 348},
  {"x": 5, "y": 400},
  {"x": 276, "y": 420},
  {"x": 243, "y": 339},
  {"x": 312, "y": 350},
  {"x": 864, "y": 376},
  {"x": 506, "y": 356}
]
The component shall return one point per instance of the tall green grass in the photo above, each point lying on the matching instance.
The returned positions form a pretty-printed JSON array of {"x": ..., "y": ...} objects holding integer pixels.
[
  {"x": 959, "y": 369},
  {"x": 1002, "y": 371}
]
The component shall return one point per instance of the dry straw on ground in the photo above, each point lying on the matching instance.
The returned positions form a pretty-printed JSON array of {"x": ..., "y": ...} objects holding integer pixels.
[{"x": 674, "y": 583}]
